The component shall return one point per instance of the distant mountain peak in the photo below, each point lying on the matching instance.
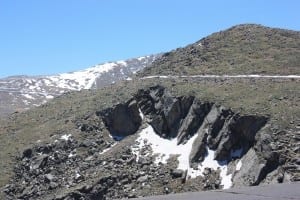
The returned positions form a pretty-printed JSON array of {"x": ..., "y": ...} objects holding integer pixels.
[{"x": 23, "y": 92}]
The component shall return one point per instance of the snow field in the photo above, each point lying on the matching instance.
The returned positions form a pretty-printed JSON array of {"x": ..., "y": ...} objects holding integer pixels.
[{"x": 164, "y": 148}]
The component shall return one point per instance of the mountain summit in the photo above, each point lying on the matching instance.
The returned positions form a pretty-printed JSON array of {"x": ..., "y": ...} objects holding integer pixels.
[{"x": 242, "y": 49}]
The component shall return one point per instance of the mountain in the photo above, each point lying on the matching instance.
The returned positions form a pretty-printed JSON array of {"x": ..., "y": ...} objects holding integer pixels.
[
  {"x": 19, "y": 93},
  {"x": 242, "y": 49},
  {"x": 156, "y": 135}
]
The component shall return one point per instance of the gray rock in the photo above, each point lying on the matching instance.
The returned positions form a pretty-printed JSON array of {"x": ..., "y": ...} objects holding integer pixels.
[
  {"x": 40, "y": 162},
  {"x": 123, "y": 119},
  {"x": 27, "y": 153},
  {"x": 199, "y": 150},
  {"x": 193, "y": 120},
  {"x": 165, "y": 111},
  {"x": 252, "y": 171},
  {"x": 238, "y": 131},
  {"x": 49, "y": 177},
  {"x": 143, "y": 179},
  {"x": 177, "y": 173}
]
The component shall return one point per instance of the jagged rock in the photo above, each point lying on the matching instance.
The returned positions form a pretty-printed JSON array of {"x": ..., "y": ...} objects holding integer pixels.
[
  {"x": 123, "y": 119},
  {"x": 193, "y": 120},
  {"x": 163, "y": 109},
  {"x": 210, "y": 127},
  {"x": 40, "y": 162},
  {"x": 199, "y": 150},
  {"x": 252, "y": 172},
  {"x": 239, "y": 132}
]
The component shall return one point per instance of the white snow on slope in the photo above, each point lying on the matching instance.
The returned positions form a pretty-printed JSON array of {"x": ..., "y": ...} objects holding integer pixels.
[
  {"x": 239, "y": 165},
  {"x": 107, "y": 149},
  {"x": 164, "y": 148},
  {"x": 65, "y": 137},
  {"x": 83, "y": 79}
]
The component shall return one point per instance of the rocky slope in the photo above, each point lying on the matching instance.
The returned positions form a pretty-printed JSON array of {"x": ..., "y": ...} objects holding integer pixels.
[
  {"x": 154, "y": 143},
  {"x": 242, "y": 49},
  {"x": 19, "y": 93},
  {"x": 161, "y": 135}
]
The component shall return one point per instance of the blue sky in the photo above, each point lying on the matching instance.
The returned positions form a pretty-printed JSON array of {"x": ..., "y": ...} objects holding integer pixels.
[{"x": 52, "y": 36}]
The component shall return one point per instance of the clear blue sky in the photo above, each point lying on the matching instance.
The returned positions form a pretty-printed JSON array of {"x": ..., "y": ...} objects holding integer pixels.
[{"x": 53, "y": 36}]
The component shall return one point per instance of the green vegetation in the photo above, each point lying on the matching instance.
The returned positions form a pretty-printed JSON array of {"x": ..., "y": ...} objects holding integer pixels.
[{"x": 242, "y": 49}]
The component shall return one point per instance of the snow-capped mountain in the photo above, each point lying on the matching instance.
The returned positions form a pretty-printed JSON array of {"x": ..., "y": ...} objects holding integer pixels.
[{"x": 23, "y": 92}]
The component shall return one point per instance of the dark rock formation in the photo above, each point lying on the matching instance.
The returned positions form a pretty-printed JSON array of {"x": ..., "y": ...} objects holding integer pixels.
[
  {"x": 253, "y": 171},
  {"x": 123, "y": 119},
  {"x": 82, "y": 168},
  {"x": 164, "y": 111},
  {"x": 193, "y": 120}
]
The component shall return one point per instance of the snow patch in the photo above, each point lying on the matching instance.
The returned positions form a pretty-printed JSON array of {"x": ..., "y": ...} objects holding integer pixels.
[
  {"x": 71, "y": 155},
  {"x": 238, "y": 165},
  {"x": 141, "y": 114},
  {"x": 83, "y": 79},
  {"x": 65, "y": 137},
  {"x": 49, "y": 97},
  {"x": 122, "y": 62},
  {"x": 141, "y": 58},
  {"x": 128, "y": 79},
  {"x": 164, "y": 148},
  {"x": 107, "y": 149},
  {"x": 28, "y": 96}
]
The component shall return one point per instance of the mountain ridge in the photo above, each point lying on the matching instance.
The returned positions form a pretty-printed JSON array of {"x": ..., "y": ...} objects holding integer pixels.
[{"x": 19, "y": 93}]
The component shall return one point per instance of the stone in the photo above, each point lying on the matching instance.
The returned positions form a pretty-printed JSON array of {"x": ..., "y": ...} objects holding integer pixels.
[
  {"x": 143, "y": 179},
  {"x": 193, "y": 120},
  {"x": 48, "y": 177},
  {"x": 163, "y": 110},
  {"x": 252, "y": 172},
  {"x": 177, "y": 173},
  {"x": 238, "y": 131},
  {"x": 123, "y": 119},
  {"x": 27, "y": 153},
  {"x": 40, "y": 162}
]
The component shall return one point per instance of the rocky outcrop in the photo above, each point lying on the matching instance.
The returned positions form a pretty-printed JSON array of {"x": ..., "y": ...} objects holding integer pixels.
[
  {"x": 253, "y": 170},
  {"x": 122, "y": 120},
  {"x": 163, "y": 110},
  {"x": 82, "y": 167},
  {"x": 193, "y": 120}
]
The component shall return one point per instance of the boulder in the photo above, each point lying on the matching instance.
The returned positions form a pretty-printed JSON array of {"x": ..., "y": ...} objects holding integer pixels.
[
  {"x": 251, "y": 173},
  {"x": 238, "y": 131},
  {"x": 177, "y": 173},
  {"x": 123, "y": 119},
  {"x": 39, "y": 162},
  {"x": 27, "y": 153}
]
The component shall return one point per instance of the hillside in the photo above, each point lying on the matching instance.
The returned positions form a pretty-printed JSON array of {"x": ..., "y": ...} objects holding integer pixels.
[
  {"x": 19, "y": 93},
  {"x": 242, "y": 49},
  {"x": 111, "y": 142}
]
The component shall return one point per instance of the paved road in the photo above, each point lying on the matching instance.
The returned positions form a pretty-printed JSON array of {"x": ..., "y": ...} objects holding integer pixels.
[{"x": 269, "y": 192}]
